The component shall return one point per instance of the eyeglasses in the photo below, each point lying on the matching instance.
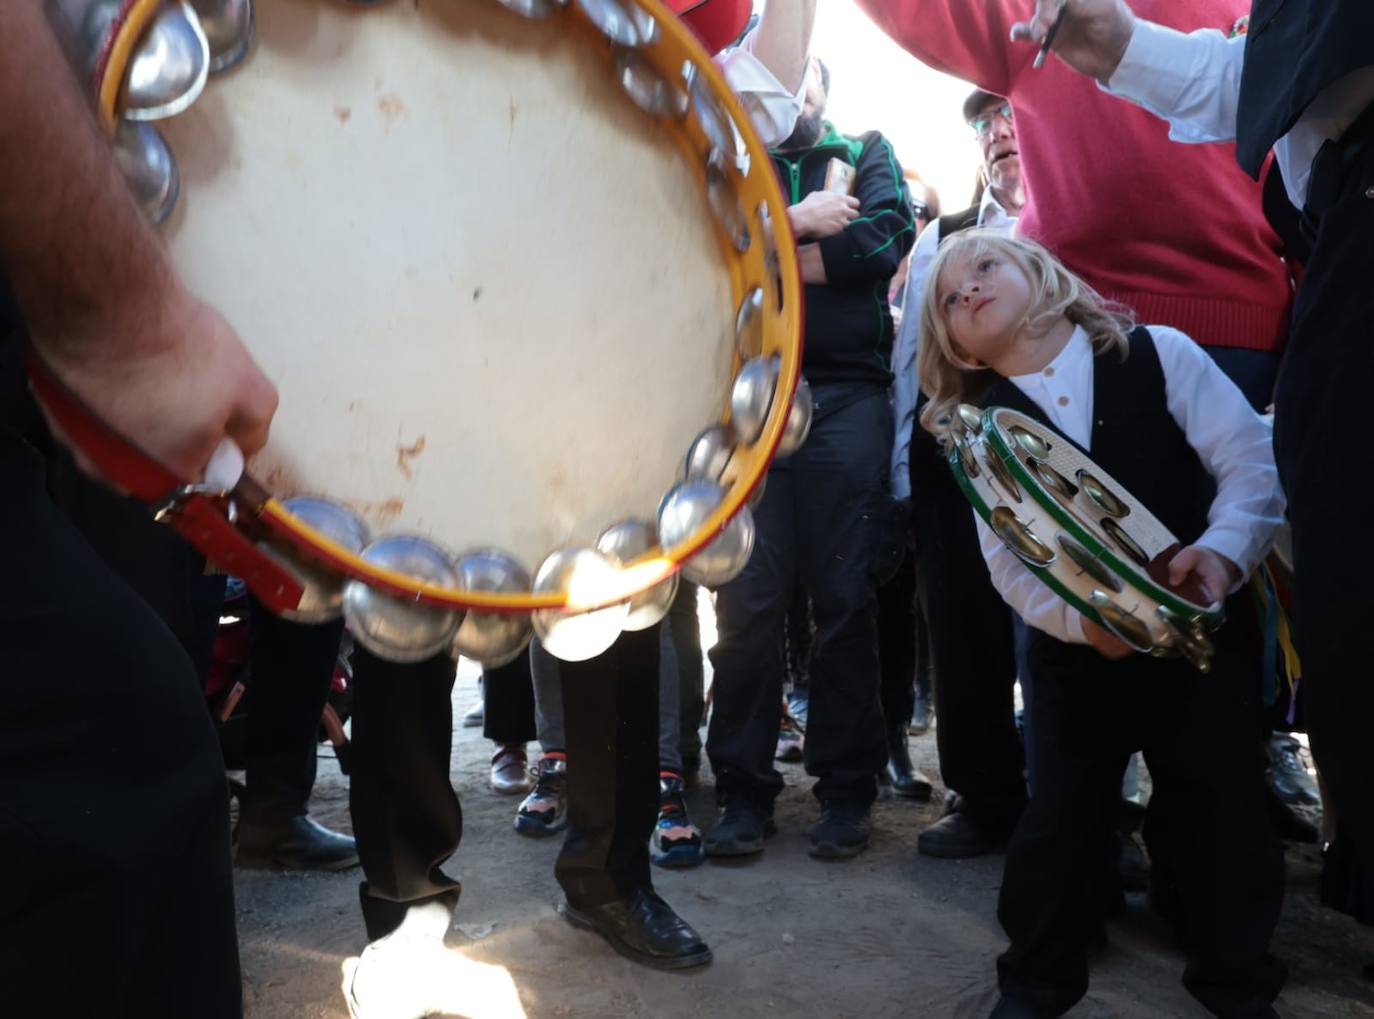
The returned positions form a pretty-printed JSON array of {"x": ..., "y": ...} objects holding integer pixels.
[
  {"x": 920, "y": 210},
  {"x": 982, "y": 126}
]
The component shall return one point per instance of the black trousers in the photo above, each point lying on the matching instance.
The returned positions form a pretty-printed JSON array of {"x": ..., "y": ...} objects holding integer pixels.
[
  {"x": 1216, "y": 859},
  {"x": 972, "y": 648},
  {"x": 821, "y": 519},
  {"x": 508, "y": 702},
  {"x": 406, "y": 817},
  {"x": 897, "y": 644},
  {"x": 113, "y": 804},
  {"x": 292, "y": 669},
  {"x": 1319, "y": 424},
  {"x": 610, "y": 715}
]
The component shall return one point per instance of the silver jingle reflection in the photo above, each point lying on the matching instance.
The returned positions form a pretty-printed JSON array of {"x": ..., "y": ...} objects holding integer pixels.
[
  {"x": 681, "y": 515},
  {"x": 491, "y": 638},
  {"x": 752, "y": 397},
  {"x": 401, "y": 629},
  {"x": 625, "y": 542},
  {"x": 228, "y": 27},
  {"x": 798, "y": 425},
  {"x": 148, "y": 167},
  {"x": 169, "y": 67},
  {"x": 322, "y": 588},
  {"x": 650, "y": 91},
  {"x": 531, "y": 8},
  {"x": 709, "y": 454},
  {"x": 624, "y": 24},
  {"x": 582, "y": 573}
]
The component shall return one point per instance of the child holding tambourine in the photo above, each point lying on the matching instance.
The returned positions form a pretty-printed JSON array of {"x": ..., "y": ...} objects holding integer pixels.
[{"x": 1004, "y": 323}]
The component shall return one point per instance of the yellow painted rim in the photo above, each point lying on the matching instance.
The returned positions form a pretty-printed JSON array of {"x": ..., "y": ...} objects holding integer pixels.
[
  {"x": 121, "y": 53},
  {"x": 781, "y": 337}
]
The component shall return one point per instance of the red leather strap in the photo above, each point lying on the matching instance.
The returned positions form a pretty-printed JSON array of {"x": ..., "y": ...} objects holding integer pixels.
[{"x": 199, "y": 519}]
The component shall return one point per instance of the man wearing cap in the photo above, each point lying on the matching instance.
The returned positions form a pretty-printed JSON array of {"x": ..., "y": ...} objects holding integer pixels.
[{"x": 969, "y": 627}]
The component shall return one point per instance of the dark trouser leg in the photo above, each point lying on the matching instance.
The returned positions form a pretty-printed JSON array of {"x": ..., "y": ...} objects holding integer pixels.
[
  {"x": 842, "y": 505},
  {"x": 973, "y": 652},
  {"x": 1208, "y": 827},
  {"x": 610, "y": 711},
  {"x": 406, "y": 816},
  {"x": 292, "y": 670},
  {"x": 112, "y": 795},
  {"x": 747, "y": 658},
  {"x": 1319, "y": 426},
  {"x": 509, "y": 695},
  {"x": 685, "y": 631},
  {"x": 1052, "y": 900},
  {"x": 897, "y": 643}
]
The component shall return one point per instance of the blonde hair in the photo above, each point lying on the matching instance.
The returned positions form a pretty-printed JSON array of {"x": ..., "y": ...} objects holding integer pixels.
[{"x": 946, "y": 374}]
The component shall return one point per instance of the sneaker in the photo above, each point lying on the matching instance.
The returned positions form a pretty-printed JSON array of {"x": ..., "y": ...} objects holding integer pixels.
[
  {"x": 740, "y": 831},
  {"x": 841, "y": 833},
  {"x": 544, "y": 811},
  {"x": 1288, "y": 775},
  {"x": 790, "y": 738},
  {"x": 676, "y": 841},
  {"x": 798, "y": 703}
]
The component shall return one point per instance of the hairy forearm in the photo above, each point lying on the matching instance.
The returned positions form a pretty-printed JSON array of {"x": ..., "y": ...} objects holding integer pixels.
[
  {"x": 784, "y": 39},
  {"x": 73, "y": 243}
]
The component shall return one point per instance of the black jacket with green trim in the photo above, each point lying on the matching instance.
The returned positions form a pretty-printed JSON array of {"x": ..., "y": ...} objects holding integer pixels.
[{"x": 848, "y": 322}]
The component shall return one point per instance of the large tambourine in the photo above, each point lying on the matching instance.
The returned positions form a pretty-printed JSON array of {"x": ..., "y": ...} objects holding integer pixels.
[
  {"x": 1080, "y": 532},
  {"x": 522, "y": 273}
]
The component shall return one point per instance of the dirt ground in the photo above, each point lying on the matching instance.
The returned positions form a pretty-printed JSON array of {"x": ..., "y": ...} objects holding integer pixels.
[{"x": 890, "y": 933}]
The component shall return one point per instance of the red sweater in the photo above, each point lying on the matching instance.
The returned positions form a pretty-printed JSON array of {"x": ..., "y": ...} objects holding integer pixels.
[{"x": 1174, "y": 231}]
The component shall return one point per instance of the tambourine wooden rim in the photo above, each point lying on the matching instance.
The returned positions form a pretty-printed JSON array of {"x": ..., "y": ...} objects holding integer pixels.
[
  {"x": 673, "y": 49},
  {"x": 994, "y": 423}
]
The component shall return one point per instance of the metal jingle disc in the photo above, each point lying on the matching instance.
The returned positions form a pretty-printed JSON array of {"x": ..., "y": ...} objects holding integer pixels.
[
  {"x": 725, "y": 202},
  {"x": 1034, "y": 446},
  {"x": 971, "y": 418},
  {"x": 650, "y": 91},
  {"x": 149, "y": 168},
  {"x": 169, "y": 67},
  {"x": 798, "y": 425},
  {"x": 1020, "y": 539},
  {"x": 228, "y": 27},
  {"x": 967, "y": 461},
  {"x": 752, "y": 397},
  {"x": 1001, "y": 473},
  {"x": 1124, "y": 541},
  {"x": 1053, "y": 480},
  {"x": 720, "y": 133},
  {"x": 1188, "y": 637},
  {"x": 1089, "y": 563},
  {"x": 322, "y": 588},
  {"x": 622, "y": 23},
  {"x": 1128, "y": 628},
  {"x": 749, "y": 325},
  {"x": 492, "y": 638},
  {"x": 771, "y": 263},
  {"x": 626, "y": 541},
  {"x": 709, "y": 454},
  {"x": 682, "y": 514},
  {"x": 583, "y": 574},
  {"x": 529, "y": 8},
  {"x": 401, "y": 629},
  {"x": 1101, "y": 496}
]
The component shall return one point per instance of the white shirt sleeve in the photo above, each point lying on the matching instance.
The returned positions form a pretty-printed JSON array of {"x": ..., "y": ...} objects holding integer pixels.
[
  {"x": 772, "y": 109},
  {"x": 1035, "y": 601},
  {"x": 1192, "y": 81},
  {"x": 904, "y": 383},
  {"x": 1236, "y": 447}
]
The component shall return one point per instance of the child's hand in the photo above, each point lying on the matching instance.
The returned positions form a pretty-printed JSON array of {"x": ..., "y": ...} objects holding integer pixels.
[
  {"x": 1214, "y": 573},
  {"x": 1108, "y": 644}
]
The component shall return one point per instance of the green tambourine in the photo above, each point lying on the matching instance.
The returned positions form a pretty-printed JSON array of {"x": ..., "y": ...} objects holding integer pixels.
[{"x": 1080, "y": 532}]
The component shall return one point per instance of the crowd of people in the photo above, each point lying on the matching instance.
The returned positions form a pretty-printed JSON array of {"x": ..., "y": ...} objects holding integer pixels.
[{"x": 1152, "y": 302}]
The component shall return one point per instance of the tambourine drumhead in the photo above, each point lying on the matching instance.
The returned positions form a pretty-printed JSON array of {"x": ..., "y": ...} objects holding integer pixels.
[
  {"x": 1079, "y": 530},
  {"x": 490, "y": 288}
]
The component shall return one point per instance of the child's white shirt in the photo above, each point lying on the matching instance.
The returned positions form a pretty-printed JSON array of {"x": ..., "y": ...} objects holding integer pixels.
[{"x": 1234, "y": 444}]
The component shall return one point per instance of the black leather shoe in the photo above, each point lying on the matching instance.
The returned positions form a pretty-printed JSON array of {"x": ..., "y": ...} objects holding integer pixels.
[
  {"x": 841, "y": 833},
  {"x": 1011, "y": 1008},
  {"x": 298, "y": 843},
  {"x": 644, "y": 929},
  {"x": 900, "y": 773},
  {"x": 1289, "y": 825},
  {"x": 739, "y": 832},
  {"x": 956, "y": 837}
]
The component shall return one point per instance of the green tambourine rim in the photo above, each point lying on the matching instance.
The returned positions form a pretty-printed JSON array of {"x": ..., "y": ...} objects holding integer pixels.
[{"x": 1211, "y": 618}]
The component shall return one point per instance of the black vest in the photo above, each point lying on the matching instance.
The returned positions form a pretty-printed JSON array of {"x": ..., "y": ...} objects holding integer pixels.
[
  {"x": 1293, "y": 50},
  {"x": 957, "y": 221},
  {"x": 1134, "y": 437}
]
